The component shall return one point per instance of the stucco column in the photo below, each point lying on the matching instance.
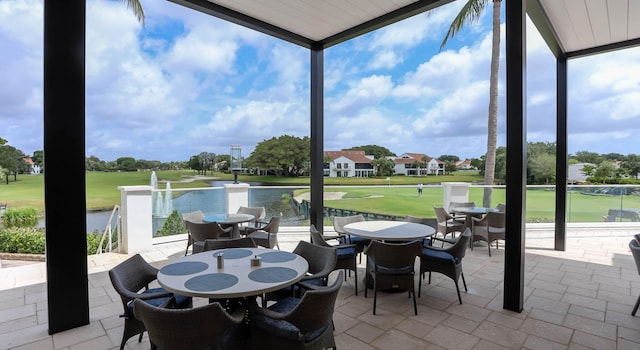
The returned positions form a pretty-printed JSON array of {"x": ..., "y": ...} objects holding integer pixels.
[
  {"x": 137, "y": 225},
  {"x": 454, "y": 192},
  {"x": 237, "y": 196}
]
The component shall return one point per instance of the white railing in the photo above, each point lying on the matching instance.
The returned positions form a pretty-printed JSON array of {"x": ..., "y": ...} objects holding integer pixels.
[{"x": 108, "y": 231}]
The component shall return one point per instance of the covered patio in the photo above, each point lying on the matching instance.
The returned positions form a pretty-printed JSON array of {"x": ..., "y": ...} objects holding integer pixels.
[
  {"x": 579, "y": 298},
  {"x": 594, "y": 27}
]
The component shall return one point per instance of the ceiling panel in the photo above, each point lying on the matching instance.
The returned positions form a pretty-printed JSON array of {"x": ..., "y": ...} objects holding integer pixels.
[
  {"x": 618, "y": 20},
  {"x": 577, "y": 27},
  {"x": 598, "y": 18},
  {"x": 588, "y": 24},
  {"x": 632, "y": 19},
  {"x": 314, "y": 19}
]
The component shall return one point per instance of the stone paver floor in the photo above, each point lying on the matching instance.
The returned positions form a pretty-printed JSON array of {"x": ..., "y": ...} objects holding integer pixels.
[{"x": 577, "y": 299}]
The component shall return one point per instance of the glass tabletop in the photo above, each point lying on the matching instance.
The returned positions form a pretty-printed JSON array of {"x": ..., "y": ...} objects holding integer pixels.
[{"x": 229, "y": 218}]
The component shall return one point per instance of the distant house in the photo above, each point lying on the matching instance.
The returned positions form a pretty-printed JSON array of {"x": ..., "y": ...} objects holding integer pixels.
[
  {"x": 348, "y": 164},
  {"x": 574, "y": 173},
  {"x": 406, "y": 164},
  {"x": 33, "y": 167},
  {"x": 464, "y": 165}
]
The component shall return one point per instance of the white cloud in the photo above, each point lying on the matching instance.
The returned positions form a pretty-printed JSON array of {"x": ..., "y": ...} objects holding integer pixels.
[
  {"x": 186, "y": 82},
  {"x": 367, "y": 91}
]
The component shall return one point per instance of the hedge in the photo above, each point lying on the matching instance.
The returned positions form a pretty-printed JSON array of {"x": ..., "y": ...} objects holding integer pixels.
[{"x": 32, "y": 241}]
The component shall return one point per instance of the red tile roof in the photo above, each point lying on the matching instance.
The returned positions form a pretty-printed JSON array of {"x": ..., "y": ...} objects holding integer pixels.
[{"x": 355, "y": 156}]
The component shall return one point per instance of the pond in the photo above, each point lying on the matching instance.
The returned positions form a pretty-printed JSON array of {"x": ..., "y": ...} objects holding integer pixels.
[{"x": 213, "y": 201}]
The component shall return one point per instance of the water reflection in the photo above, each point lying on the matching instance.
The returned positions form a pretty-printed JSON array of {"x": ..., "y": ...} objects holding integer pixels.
[{"x": 213, "y": 201}]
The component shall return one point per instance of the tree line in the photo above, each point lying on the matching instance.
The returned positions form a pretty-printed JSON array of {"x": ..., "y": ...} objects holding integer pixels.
[{"x": 290, "y": 156}]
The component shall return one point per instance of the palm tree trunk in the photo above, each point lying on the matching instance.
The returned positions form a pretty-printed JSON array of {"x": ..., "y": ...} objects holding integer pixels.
[{"x": 492, "y": 132}]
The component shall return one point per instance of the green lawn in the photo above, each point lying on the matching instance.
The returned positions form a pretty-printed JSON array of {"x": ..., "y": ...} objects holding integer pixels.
[
  {"x": 402, "y": 201},
  {"x": 103, "y": 193},
  {"x": 102, "y": 187}
]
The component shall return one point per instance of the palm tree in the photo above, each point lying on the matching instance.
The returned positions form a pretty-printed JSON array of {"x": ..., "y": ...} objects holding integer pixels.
[
  {"x": 471, "y": 12},
  {"x": 136, "y": 7}
]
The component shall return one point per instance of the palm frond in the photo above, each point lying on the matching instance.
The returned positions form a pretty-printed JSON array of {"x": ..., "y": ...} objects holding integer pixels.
[
  {"x": 470, "y": 12},
  {"x": 136, "y": 7}
]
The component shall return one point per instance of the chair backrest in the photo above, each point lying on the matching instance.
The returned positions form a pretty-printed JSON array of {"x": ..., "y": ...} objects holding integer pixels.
[
  {"x": 315, "y": 309},
  {"x": 459, "y": 248},
  {"x": 394, "y": 255},
  {"x": 340, "y": 221},
  {"x": 273, "y": 225},
  {"x": 492, "y": 219},
  {"x": 501, "y": 207},
  {"x": 131, "y": 276},
  {"x": 322, "y": 260},
  {"x": 317, "y": 238},
  {"x": 431, "y": 222},
  {"x": 634, "y": 245},
  {"x": 259, "y": 213},
  {"x": 441, "y": 215},
  {"x": 214, "y": 244},
  {"x": 195, "y": 216},
  {"x": 461, "y": 204},
  {"x": 194, "y": 328},
  {"x": 201, "y": 231}
]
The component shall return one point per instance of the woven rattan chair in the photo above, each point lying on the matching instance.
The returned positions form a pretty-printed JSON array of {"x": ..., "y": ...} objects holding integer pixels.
[
  {"x": 321, "y": 260},
  {"x": 214, "y": 244},
  {"x": 489, "y": 228},
  {"x": 196, "y": 216},
  {"x": 346, "y": 259},
  {"x": 305, "y": 323},
  {"x": 447, "y": 261},
  {"x": 339, "y": 222},
  {"x": 205, "y": 327},
  {"x": 392, "y": 266},
  {"x": 634, "y": 246},
  {"x": 447, "y": 224},
  {"x": 431, "y": 222},
  {"x": 258, "y": 213},
  {"x": 268, "y": 236},
  {"x": 201, "y": 231},
  {"x": 131, "y": 279}
]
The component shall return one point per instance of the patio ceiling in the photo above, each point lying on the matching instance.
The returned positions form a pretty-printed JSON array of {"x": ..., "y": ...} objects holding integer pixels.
[
  {"x": 585, "y": 27},
  {"x": 313, "y": 23},
  {"x": 570, "y": 27}
]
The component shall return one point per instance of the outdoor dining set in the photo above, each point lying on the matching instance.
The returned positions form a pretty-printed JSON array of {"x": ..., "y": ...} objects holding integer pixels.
[{"x": 258, "y": 296}]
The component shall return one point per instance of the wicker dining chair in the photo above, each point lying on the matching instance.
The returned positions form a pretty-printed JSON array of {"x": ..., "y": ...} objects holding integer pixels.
[
  {"x": 201, "y": 231},
  {"x": 634, "y": 246},
  {"x": 321, "y": 260},
  {"x": 205, "y": 327},
  {"x": 346, "y": 259},
  {"x": 431, "y": 222},
  {"x": 339, "y": 222},
  {"x": 299, "y": 323},
  {"x": 196, "y": 216},
  {"x": 489, "y": 228},
  {"x": 268, "y": 236},
  {"x": 392, "y": 266},
  {"x": 447, "y": 224},
  {"x": 259, "y": 213},
  {"x": 447, "y": 261},
  {"x": 131, "y": 279},
  {"x": 215, "y": 244}
]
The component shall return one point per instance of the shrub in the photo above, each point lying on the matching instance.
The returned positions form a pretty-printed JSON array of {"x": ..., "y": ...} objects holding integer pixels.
[
  {"x": 32, "y": 241},
  {"x": 20, "y": 217},
  {"x": 22, "y": 240},
  {"x": 93, "y": 241},
  {"x": 172, "y": 226}
]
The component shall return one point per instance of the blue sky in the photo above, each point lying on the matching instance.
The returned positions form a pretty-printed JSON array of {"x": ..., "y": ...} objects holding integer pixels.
[{"x": 186, "y": 83}]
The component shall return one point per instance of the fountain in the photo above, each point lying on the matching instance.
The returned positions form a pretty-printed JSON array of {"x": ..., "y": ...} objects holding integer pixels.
[{"x": 162, "y": 204}]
